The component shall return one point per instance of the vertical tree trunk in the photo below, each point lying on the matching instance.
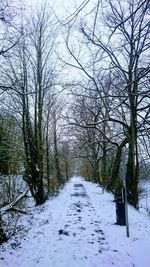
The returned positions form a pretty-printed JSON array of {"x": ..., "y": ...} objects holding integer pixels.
[
  {"x": 48, "y": 163},
  {"x": 67, "y": 168},
  {"x": 104, "y": 156},
  {"x": 116, "y": 165},
  {"x": 132, "y": 165},
  {"x": 132, "y": 169},
  {"x": 95, "y": 172},
  {"x": 56, "y": 155}
]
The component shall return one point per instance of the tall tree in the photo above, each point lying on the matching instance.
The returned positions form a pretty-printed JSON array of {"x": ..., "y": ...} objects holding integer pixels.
[
  {"x": 8, "y": 41},
  {"x": 122, "y": 49},
  {"x": 31, "y": 67}
]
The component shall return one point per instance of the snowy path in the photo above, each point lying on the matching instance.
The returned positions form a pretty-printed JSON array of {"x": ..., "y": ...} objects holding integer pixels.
[{"x": 76, "y": 229}]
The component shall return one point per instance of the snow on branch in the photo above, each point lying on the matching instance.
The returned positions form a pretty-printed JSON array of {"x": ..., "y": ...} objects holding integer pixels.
[{"x": 11, "y": 206}]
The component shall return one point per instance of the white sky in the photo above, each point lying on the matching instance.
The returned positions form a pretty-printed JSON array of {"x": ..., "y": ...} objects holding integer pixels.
[{"x": 60, "y": 6}]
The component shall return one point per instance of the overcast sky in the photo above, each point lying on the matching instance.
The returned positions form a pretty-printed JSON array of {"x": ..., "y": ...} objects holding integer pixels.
[{"x": 60, "y": 6}]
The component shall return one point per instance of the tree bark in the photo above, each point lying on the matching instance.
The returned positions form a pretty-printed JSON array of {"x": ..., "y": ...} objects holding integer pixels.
[
  {"x": 56, "y": 155},
  {"x": 132, "y": 167},
  {"x": 116, "y": 165}
]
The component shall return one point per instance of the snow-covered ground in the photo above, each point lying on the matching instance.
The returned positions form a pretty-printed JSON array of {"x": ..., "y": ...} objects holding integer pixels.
[
  {"x": 76, "y": 229},
  {"x": 144, "y": 203}
]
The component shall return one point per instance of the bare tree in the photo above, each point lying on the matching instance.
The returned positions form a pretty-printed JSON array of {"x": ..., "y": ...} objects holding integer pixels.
[
  {"x": 9, "y": 39},
  {"x": 31, "y": 74},
  {"x": 123, "y": 52}
]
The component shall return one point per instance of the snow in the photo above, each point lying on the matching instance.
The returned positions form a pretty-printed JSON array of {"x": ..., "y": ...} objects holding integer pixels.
[
  {"x": 144, "y": 204},
  {"x": 77, "y": 229},
  {"x": 37, "y": 168}
]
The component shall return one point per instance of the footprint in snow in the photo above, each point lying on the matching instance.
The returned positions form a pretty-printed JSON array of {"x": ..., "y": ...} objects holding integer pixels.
[
  {"x": 78, "y": 210},
  {"x": 63, "y": 232}
]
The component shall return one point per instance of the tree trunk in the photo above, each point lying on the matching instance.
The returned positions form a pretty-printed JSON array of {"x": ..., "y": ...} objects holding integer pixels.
[
  {"x": 116, "y": 165},
  {"x": 56, "y": 155},
  {"x": 95, "y": 171},
  {"x": 39, "y": 196},
  {"x": 66, "y": 168},
  {"x": 132, "y": 170},
  {"x": 132, "y": 164},
  {"x": 104, "y": 158},
  {"x": 57, "y": 166},
  {"x": 48, "y": 165}
]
